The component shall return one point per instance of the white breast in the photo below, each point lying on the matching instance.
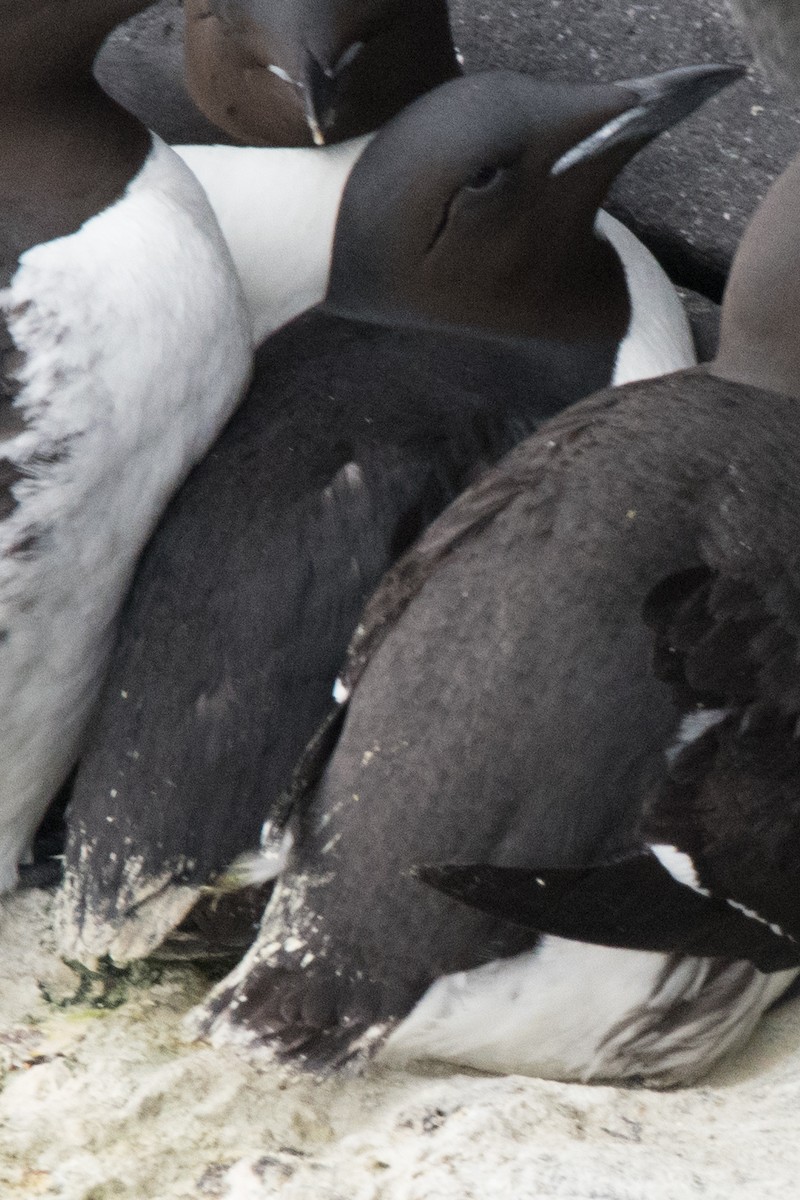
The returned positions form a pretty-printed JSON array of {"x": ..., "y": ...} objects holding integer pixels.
[
  {"x": 659, "y": 339},
  {"x": 277, "y": 209},
  {"x": 136, "y": 348},
  {"x": 571, "y": 1011}
]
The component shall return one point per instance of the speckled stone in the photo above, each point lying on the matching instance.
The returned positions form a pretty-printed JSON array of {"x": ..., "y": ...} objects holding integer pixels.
[
  {"x": 774, "y": 29},
  {"x": 688, "y": 195}
]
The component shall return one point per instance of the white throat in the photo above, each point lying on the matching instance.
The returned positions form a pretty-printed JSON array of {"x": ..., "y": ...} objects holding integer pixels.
[
  {"x": 277, "y": 209},
  {"x": 659, "y": 339}
]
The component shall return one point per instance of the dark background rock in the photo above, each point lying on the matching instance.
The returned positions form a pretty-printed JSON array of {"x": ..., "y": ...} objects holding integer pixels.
[
  {"x": 688, "y": 196},
  {"x": 774, "y": 29},
  {"x": 704, "y": 317}
]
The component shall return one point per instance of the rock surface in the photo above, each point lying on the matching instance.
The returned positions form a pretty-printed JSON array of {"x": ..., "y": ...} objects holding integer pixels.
[
  {"x": 774, "y": 29},
  {"x": 102, "y": 1100}
]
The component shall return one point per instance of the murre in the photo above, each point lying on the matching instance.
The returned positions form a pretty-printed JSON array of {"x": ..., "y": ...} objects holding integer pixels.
[
  {"x": 125, "y": 345},
  {"x": 574, "y": 704},
  {"x": 276, "y": 72},
  {"x": 472, "y": 295}
]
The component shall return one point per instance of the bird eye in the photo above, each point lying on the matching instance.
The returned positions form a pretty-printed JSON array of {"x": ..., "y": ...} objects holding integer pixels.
[{"x": 485, "y": 178}]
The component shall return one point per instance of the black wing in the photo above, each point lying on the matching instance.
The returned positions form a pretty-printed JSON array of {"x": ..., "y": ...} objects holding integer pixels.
[
  {"x": 246, "y": 598},
  {"x": 727, "y": 802},
  {"x": 729, "y": 646},
  {"x": 633, "y": 904}
]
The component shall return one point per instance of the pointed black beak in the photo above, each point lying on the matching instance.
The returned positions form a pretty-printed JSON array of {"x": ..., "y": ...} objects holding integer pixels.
[
  {"x": 661, "y": 102},
  {"x": 322, "y": 90},
  {"x": 666, "y": 99}
]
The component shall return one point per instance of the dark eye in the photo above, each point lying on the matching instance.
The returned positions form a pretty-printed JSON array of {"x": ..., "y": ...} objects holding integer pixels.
[{"x": 485, "y": 178}]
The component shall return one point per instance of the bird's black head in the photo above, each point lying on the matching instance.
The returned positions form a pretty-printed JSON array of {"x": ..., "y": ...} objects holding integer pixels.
[
  {"x": 298, "y": 72},
  {"x": 476, "y": 206}
]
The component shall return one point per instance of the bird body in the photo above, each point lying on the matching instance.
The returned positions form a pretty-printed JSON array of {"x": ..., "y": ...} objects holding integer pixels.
[
  {"x": 567, "y": 766},
  {"x": 504, "y": 709},
  {"x": 125, "y": 346}
]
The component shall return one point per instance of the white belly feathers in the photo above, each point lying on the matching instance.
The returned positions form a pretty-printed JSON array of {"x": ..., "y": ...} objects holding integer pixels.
[
  {"x": 135, "y": 347},
  {"x": 568, "y": 1010},
  {"x": 277, "y": 209}
]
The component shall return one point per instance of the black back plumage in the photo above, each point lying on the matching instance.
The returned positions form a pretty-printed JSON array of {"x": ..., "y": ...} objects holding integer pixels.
[
  {"x": 351, "y": 441},
  {"x": 512, "y": 706}
]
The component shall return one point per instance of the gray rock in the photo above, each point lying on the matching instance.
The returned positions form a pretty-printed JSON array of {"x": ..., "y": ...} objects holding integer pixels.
[{"x": 774, "y": 29}]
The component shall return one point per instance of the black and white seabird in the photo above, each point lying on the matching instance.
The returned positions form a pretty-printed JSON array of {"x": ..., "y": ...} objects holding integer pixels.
[
  {"x": 473, "y": 294},
  {"x": 124, "y": 346},
  {"x": 575, "y": 705}
]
